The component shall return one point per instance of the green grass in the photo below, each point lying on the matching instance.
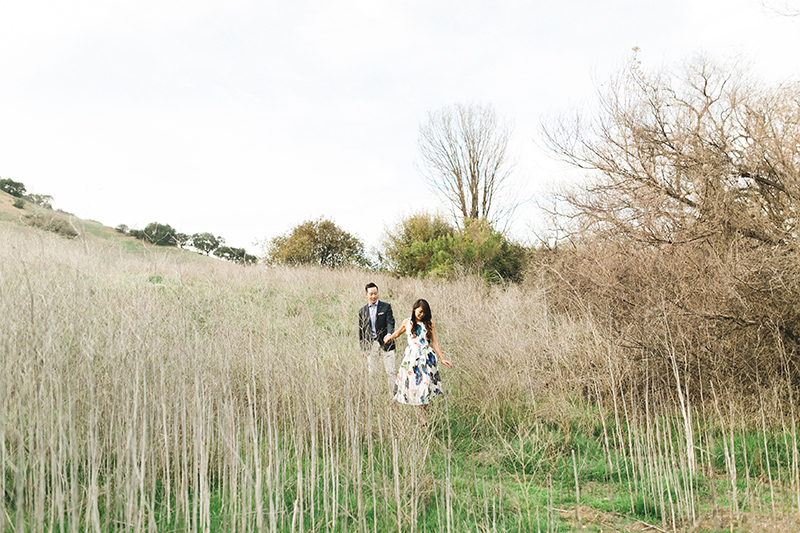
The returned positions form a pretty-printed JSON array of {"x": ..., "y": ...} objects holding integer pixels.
[{"x": 492, "y": 485}]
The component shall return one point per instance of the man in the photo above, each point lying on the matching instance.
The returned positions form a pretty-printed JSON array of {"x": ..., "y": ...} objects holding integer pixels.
[{"x": 375, "y": 321}]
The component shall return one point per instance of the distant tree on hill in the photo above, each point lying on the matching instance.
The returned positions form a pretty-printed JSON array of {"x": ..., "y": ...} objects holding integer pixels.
[
  {"x": 317, "y": 242},
  {"x": 206, "y": 242},
  {"x": 14, "y": 188},
  {"x": 43, "y": 200},
  {"x": 156, "y": 233},
  {"x": 182, "y": 239},
  {"x": 235, "y": 255}
]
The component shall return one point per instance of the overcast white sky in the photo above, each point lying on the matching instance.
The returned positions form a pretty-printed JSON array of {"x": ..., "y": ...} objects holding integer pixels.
[{"x": 245, "y": 118}]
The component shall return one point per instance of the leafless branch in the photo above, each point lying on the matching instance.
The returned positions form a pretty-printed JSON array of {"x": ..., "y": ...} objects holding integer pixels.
[{"x": 464, "y": 154}]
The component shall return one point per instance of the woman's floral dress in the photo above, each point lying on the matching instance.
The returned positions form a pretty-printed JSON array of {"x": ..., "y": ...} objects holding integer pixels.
[{"x": 418, "y": 377}]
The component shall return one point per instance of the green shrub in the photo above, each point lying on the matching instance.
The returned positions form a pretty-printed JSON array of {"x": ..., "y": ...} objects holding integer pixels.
[
  {"x": 424, "y": 245},
  {"x": 407, "y": 246},
  {"x": 19, "y": 203}
]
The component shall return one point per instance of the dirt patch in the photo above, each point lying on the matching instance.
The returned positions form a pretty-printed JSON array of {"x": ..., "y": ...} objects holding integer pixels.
[
  {"x": 718, "y": 522},
  {"x": 601, "y": 521},
  {"x": 751, "y": 522}
]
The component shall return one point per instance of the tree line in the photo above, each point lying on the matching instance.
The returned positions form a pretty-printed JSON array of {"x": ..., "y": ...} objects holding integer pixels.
[
  {"x": 464, "y": 150},
  {"x": 18, "y": 191},
  {"x": 464, "y": 156},
  {"x": 154, "y": 233},
  {"x": 207, "y": 243},
  {"x": 419, "y": 245}
]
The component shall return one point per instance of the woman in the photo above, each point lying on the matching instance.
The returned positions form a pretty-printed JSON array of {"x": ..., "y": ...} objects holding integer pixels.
[{"x": 418, "y": 378}]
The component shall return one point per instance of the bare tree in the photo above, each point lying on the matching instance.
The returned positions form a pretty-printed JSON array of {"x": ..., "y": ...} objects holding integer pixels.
[
  {"x": 784, "y": 8},
  {"x": 671, "y": 157},
  {"x": 464, "y": 152}
]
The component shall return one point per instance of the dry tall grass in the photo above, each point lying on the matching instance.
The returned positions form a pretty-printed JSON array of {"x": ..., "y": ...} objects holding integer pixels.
[{"x": 167, "y": 391}]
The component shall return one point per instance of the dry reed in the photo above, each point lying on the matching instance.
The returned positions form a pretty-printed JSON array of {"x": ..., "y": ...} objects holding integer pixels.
[{"x": 167, "y": 391}]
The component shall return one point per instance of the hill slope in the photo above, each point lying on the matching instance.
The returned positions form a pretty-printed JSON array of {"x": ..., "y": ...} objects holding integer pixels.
[{"x": 32, "y": 217}]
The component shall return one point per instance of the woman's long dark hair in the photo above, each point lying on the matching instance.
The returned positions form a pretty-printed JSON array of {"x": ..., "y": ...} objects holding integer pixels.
[{"x": 426, "y": 318}]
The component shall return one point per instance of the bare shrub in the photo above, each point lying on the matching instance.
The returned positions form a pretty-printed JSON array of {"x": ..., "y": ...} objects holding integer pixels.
[
  {"x": 722, "y": 315},
  {"x": 686, "y": 229},
  {"x": 54, "y": 224}
]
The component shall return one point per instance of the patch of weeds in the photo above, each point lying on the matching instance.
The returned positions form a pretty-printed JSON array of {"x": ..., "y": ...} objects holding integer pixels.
[{"x": 56, "y": 225}]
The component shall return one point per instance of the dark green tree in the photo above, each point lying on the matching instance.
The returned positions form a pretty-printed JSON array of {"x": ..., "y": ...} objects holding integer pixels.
[
  {"x": 159, "y": 234},
  {"x": 182, "y": 239},
  {"x": 206, "y": 242},
  {"x": 235, "y": 255},
  {"x": 317, "y": 242},
  {"x": 14, "y": 188},
  {"x": 480, "y": 249}
]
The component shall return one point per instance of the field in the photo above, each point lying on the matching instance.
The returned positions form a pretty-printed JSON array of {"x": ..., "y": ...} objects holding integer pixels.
[{"x": 165, "y": 391}]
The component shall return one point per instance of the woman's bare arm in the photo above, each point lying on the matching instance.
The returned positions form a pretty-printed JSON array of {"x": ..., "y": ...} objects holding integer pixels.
[
  {"x": 437, "y": 348},
  {"x": 399, "y": 331}
]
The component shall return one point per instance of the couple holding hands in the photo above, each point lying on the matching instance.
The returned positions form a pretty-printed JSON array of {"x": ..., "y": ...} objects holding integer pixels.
[{"x": 417, "y": 381}]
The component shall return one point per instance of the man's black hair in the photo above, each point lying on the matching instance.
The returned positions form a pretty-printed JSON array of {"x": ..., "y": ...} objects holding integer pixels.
[{"x": 369, "y": 286}]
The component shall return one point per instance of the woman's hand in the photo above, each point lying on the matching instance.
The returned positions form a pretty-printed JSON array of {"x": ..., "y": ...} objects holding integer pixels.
[
  {"x": 397, "y": 332},
  {"x": 445, "y": 362}
]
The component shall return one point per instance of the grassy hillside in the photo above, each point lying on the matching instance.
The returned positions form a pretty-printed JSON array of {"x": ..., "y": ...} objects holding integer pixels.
[
  {"x": 32, "y": 215},
  {"x": 163, "y": 391}
]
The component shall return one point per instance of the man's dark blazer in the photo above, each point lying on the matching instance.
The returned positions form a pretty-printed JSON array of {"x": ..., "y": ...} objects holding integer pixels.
[{"x": 384, "y": 324}]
